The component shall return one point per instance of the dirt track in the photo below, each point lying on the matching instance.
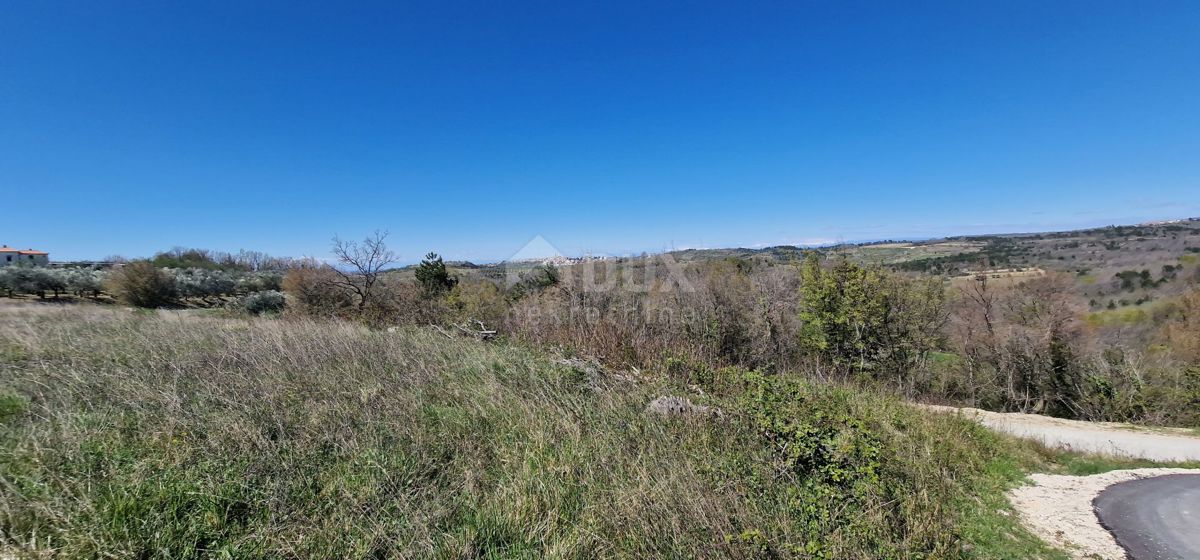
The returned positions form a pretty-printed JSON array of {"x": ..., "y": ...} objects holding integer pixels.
[{"x": 1159, "y": 444}]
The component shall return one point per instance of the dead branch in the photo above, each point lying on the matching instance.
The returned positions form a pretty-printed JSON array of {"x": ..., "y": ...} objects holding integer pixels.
[
  {"x": 483, "y": 333},
  {"x": 444, "y": 333}
]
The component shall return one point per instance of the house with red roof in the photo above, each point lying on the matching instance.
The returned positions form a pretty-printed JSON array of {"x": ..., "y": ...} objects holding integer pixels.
[{"x": 9, "y": 255}]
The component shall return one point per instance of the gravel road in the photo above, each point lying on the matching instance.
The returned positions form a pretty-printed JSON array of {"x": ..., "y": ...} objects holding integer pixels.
[{"x": 1159, "y": 444}]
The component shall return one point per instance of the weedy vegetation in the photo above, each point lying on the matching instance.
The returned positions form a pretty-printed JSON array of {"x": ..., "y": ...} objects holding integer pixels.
[
  {"x": 280, "y": 408},
  {"x": 183, "y": 434}
]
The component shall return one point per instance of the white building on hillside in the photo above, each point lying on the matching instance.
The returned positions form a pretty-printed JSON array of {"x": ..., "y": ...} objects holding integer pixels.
[{"x": 8, "y": 256}]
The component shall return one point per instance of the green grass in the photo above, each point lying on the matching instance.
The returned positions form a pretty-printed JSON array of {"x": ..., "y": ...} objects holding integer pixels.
[
  {"x": 1119, "y": 317},
  {"x": 188, "y": 435},
  {"x": 989, "y": 524}
]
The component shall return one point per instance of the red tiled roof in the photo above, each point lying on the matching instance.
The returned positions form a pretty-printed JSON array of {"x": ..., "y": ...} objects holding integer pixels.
[{"x": 7, "y": 249}]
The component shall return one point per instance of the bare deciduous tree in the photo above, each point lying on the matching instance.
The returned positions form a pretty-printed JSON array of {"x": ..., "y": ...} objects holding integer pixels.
[{"x": 361, "y": 264}]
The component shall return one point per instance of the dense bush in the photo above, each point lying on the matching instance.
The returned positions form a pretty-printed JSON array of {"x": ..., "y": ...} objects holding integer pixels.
[
  {"x": 314, "y": 290},
  {"x": 478, "y": 300},
  {"x": 868, "y": 320},
  {"x": 142, "y": 284},
  {"x": 269, "y": 301},
  {"x": 712, "y": 312},
  {"x": 1026, "y": 348},
  {"x": 260, "y": 281},
  {"x": 402, "y": 303},
  {"x": 193, "y": 258},
  {"x": 535, "y": 280}
]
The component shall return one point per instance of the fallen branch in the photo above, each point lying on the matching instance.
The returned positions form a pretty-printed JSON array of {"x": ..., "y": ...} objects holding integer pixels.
[
  {"x": 444, "y": 333},
  {"x": 483, "y": 333}
]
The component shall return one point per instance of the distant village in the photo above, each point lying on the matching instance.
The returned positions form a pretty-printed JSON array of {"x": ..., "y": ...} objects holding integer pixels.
[{"x": 560, "y": 260}]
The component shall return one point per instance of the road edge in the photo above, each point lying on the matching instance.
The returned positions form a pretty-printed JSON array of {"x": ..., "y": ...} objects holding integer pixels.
[{"x": 1059, "y": 509}]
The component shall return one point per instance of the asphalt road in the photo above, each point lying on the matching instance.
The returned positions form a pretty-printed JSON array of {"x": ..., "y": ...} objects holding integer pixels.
[{"x": 1154, "y": 518}]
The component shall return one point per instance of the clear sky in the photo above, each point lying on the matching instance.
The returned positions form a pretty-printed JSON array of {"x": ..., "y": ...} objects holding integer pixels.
[{"x": 608, "y": 127}]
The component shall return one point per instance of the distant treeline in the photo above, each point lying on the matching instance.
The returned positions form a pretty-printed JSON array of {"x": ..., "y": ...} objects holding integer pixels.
[{"x": 248, "y": 279}]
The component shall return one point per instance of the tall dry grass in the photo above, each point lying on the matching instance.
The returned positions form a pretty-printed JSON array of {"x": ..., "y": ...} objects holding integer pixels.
[{"x": 179, "y": 434}]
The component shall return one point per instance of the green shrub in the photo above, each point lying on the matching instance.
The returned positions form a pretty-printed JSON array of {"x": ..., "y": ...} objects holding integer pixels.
[
  {"x": 11, "y": 407},
  {"x": 268, "y": 301},
  {"x": 867, "y": 320}
]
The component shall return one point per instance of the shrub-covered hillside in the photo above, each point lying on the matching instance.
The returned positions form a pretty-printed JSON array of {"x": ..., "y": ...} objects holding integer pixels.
[{"x": 176, "y": 434}]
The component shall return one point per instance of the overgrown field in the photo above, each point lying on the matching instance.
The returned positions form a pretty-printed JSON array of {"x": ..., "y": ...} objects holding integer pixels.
[{"x": 176, "y": 434}]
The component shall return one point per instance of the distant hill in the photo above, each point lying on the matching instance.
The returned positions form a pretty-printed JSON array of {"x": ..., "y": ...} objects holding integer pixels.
[
  {"x": 1078, "y": 250},
  {"x": 1114, "y": 266}
]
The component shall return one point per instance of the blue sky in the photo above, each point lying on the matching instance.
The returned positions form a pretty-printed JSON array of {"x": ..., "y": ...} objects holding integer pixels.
[{"x": 471, "y": 127}]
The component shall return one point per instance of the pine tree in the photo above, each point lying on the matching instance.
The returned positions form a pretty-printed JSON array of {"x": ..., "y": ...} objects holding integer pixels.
[{"x": 433, "y": 277}]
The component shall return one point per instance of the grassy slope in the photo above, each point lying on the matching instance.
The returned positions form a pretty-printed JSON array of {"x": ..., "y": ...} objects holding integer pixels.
[{"x": 179, "y": 435}]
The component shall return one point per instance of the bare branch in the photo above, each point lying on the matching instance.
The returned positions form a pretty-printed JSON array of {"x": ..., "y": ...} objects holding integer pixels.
[{"x": 362, "y": 263}]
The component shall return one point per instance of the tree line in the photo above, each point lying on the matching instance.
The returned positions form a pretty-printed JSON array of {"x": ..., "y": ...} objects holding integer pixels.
[{"x": 250, "y": 279}]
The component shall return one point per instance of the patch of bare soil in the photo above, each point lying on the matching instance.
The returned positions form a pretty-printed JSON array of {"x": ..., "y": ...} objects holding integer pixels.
[{"x": 1058, "y": 508}]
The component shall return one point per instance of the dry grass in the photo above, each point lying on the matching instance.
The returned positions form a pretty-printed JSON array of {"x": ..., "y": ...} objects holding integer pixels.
[
  {"x": 180, "y": 434},
  {"x": 999, "y": 277}
]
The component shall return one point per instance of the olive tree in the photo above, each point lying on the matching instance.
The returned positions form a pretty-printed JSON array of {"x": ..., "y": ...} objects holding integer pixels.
[{"x": 85, "y": 281}]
